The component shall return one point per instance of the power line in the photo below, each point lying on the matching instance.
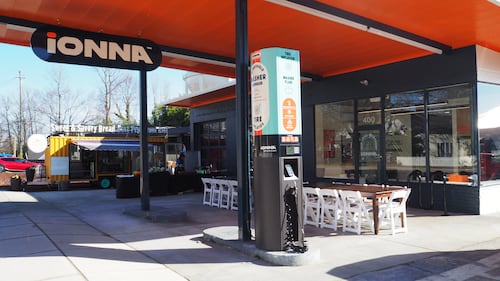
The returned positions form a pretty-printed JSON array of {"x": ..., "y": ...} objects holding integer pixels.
[{"x": 19, "y": 139}]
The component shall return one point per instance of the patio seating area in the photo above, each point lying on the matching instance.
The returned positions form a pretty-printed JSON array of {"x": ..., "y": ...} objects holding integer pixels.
[
  {"x": 356, "y": 208},
  {"x": 220, "y": 193}
]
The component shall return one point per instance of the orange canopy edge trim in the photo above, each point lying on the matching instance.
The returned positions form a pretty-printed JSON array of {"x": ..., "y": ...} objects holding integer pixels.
[
  {"x": 326, "y": 47},
  {"x": 215, "y": 96}
]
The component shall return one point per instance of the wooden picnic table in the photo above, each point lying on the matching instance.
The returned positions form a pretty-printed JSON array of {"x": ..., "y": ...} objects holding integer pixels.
[{"x": 374, "y": 192}]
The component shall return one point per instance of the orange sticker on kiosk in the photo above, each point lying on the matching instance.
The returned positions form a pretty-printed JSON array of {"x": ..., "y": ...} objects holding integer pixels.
[{"x": 289, "y": 108}]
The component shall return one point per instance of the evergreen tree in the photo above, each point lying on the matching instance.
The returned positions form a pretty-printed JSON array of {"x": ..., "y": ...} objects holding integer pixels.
[{"x": 171, "y": 116}]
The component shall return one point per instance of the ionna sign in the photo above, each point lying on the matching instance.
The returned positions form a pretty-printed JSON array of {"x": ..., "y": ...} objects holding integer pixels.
[{"x": 72, "y": 46}]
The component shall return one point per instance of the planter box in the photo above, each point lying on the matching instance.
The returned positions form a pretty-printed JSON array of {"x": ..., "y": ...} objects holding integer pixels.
[
  {"x": 159, "y": 183},
  {"x": 16, "y": 184},
  {"x": 185, "y": 182},
  {"x": 127, "y": 186}
]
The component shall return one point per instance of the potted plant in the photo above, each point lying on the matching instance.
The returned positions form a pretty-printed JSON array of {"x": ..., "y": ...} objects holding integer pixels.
[
  {"x": 15, "y": 183},
  {"x": 30, "y": 173},
  {"x": 158, "y": 181}
]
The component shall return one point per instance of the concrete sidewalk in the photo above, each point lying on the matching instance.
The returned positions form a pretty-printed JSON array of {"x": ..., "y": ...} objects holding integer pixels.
[{"x": 91, "y": 235}]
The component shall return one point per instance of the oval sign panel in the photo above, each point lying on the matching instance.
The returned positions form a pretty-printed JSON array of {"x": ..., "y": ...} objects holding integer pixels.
[
  {"x": 37, "y": 143},
  {"x": 73, "y": 46}
]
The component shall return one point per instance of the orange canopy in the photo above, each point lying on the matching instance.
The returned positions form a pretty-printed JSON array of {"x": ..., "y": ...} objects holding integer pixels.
[{"x": 199, "y": 35}]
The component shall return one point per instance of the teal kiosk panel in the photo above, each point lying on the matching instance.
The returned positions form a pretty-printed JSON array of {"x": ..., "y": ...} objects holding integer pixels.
[{"x": 277, "y": 129}]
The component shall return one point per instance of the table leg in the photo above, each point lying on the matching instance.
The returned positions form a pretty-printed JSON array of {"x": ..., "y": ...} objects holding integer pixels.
[{"x": 375, "y": 214}]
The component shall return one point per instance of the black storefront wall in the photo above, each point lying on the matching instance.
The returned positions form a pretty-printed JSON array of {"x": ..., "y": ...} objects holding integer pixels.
[
  {"x": 218, "y": 111},
  {"x": 422, "y": 73},
  {"x": 416, "y": 74},
  {"x": 459, "y": 198}
]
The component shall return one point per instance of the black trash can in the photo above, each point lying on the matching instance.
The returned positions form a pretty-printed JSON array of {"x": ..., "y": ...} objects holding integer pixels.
[
  {"x": 63, "y": 185},
  {"x": 127, "y": 186},
  {"x": 30, "y": 174},
  {"x": 16, "y": 184}
]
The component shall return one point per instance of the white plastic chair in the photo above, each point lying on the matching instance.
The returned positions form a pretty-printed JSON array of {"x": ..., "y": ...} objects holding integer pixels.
[
  {"x": 355, "y": 212},
  {"x": 225, "y": 194},
  {"x": 207, "y": 191},
  {"x": 312, "y": 207},
  {"x": 216, "y": 193},
  {"x": 396, "y": 208},
  {"x": 234, "y": 194},
  {"x": 330, "y": 208}
]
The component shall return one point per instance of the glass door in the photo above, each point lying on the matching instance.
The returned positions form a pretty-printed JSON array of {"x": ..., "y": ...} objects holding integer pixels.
[{"x": 370, "y": 157}]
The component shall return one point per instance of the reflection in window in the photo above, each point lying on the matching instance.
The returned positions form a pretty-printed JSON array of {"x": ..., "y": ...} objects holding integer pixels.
[
  {"x": 405, "y": 135},
  {"x": 369, "y": 111},
  {"x": 450, "y": 133},
  {"x": 113, "y": 161},
  {"x": 334, "y": 131},
  {"x": 158, "y": 155},
  {"x": 489, "y": 130},
  {"x": 213, "y": 144}
]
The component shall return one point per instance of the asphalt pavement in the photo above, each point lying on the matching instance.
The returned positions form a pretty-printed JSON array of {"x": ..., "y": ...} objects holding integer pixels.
[{"x": 92, "y": 235}]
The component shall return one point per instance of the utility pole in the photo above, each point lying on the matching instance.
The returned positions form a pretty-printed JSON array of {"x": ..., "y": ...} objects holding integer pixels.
[{"x": 20, "y": 125}]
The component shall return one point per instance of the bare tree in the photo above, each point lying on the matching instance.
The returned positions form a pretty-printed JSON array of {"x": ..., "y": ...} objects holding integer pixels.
[
  {"x": 158, "y": 90},
  {"x": 7, "y": 126},
  {"x": 32, "y": 122},
  {"x": 60, "y": 105},
  {"x": 128, "y": 98},
  {"x": 17, "y": 116},
  {"x": 111, "y": 79}
]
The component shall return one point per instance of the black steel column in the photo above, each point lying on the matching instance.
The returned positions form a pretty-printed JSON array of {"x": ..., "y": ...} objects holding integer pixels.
[
  {"x": 144, "y": 181},
  {"x": 242, "y": 105},
  {"x": 428, "y": 172},
  {"x": 476, "y": 144}
]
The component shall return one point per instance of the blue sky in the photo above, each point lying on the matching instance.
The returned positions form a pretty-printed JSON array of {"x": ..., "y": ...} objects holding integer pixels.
[{"x": 168, "y": 83}]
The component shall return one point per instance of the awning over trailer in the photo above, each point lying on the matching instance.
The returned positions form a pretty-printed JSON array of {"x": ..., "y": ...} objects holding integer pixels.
[{"x": 109, "y": 145}]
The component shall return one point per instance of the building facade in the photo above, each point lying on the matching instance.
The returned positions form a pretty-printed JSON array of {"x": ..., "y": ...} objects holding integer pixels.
[{"x": 406, "y": 123}]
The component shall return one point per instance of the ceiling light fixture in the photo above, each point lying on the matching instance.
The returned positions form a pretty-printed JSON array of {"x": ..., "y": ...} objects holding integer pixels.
[
  {"x": 495, "y": 2},
  {"x": 319, "y": 14},
  {"x": 198, "y": 59},
  {"x": 360, "y": 23},
  {"x": 20, "y": 28},
  {"x": 364, "y": 82},
  {"x": 404, "y": 40}
]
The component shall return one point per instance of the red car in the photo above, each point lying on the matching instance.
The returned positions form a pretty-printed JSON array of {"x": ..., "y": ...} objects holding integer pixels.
[{"x": 15, "y": 164}]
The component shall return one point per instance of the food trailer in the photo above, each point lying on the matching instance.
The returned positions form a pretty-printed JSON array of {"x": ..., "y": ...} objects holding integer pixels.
[{"x": 100, "y": 155}]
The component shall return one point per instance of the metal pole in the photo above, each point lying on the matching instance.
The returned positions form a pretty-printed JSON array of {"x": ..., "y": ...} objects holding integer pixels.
[
  {"x": 419, "y": 177},
  {"x": 242, "y": 103},
  {"x": 19, "y": 136},
  {"x": 445, "y": 205},
  {"x": 144, "y": 180}
]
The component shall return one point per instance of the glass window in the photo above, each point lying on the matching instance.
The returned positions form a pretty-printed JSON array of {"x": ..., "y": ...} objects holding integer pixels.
[
  {"x": 404, "y": 135},
  {"x": 334, "y": 125},
  {"x": 158, "y": 156},
  {"x": 113, "y": 161},
  {"x": 81, "y": 164},
  {"x": 369, "y": 111},
  {"x": 489, "y": 130},
  {"x": 213, "y": 144},
  {"x": 450, "y": 147}
]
